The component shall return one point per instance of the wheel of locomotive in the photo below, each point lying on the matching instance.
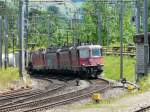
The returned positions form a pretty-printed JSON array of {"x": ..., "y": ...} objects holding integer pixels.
[
  {"x": 95, "y": 75},
  {"x": 30, "y": 68}
]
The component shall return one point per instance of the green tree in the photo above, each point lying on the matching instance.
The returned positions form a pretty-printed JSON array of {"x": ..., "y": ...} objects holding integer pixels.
[{"x": 110, "y": 11}]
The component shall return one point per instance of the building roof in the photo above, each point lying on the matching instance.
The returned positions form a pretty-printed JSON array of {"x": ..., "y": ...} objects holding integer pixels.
[{"x": 142, "y": 35}]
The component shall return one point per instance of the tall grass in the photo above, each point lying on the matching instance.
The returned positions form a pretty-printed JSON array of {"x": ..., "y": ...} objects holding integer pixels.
[
  {"x": 8, "y": 75},
  {"x": 112, "y": 67},
  {"x": 144, "y": 83}
]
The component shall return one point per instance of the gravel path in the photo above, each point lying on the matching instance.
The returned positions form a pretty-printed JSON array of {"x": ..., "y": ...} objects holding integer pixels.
[{"x": 125, "y": 104}]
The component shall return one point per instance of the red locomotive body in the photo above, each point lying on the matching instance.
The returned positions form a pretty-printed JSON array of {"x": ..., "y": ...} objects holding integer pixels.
[
  {"x": 38, "y": 60},
  {"x": 90, "y": 55},
  {"x": 84, "y": 60}
]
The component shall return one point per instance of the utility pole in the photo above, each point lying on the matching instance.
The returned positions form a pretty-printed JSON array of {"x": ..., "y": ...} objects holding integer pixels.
[
  {"x": 26, "y": 30},
  {"x": 13, "y": 40},
  {"x": 138, "y": 16},
  {"x": 0, "y": 41},
  {"x": 146, "y": 46},
  {"x": 21, "y": 34},
  {"x": 99, "y": 23},
  {"x": 121, "y": 39},
  {"x": 67, "y": 38},
  {"x": 13, "y": 43},
  {"x": 107, "y": 27},
  {"x": 6, "y": 41},
  {"x": 74, "y": 28},
  {"x": 137, "y": 27},
  {"x": 49, "y": 27},
  {"x": 71, "y": 28}
]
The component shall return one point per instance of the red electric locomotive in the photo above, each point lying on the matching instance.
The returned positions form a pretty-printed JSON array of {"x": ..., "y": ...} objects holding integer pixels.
[
  {"x": 90, "y": 59},
  {"x": 86, "y": 60}
]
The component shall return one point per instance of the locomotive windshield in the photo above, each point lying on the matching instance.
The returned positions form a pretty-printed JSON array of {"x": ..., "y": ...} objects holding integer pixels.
[
  {"x": 84, "y": 53},
  {"x": 96, "y": 52}
]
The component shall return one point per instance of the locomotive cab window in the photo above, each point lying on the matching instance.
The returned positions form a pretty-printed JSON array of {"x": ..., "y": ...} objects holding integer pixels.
[
  {"x": 84, "y": 53},
  {"x": 96, "y": 52}
]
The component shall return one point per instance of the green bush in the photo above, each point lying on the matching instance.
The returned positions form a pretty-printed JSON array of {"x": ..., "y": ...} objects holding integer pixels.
[{"x": 144, "y": 83}]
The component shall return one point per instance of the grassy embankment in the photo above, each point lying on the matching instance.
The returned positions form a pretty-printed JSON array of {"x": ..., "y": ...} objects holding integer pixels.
[
  {"x": 7, "y": 76},
  {"x": 112, "y": 68}
]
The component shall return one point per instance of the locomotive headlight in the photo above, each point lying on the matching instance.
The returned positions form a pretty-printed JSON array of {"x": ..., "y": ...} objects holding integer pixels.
[{"x": 83, "y": 64}]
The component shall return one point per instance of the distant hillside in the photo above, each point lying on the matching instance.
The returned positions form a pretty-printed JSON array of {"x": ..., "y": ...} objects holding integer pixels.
[{"x": 65, "y": 9}]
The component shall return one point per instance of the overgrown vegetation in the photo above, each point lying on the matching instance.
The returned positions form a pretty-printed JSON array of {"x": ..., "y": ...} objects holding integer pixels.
[
  {"x": 112, "y": 67},
  {"x": 144, "y": 83},
  {"x": 49, "y": 26},
  {"x": 7, "y": 76}
]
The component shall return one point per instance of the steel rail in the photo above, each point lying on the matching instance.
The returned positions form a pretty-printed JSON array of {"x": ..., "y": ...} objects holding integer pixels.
[
  {"x": 33, "y": 96},
  {"x": 30, "y": 95},
  {"x": 65, "y": 101},
  {"x": 50, "y": 100},
  {"x": 143, "y": 109}
]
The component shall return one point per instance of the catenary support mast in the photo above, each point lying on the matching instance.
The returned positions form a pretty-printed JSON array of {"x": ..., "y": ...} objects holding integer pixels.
[
  {"x": 6, "y": 41},
  {"x": 21, "y": 34},
  {"x": 138, "y": 16},
  {"x": 121, "y": 39},
  {"x": 26, "y": 30},
  {"x": 0, "y": 41},
  {"x": 145, "y": 24}
]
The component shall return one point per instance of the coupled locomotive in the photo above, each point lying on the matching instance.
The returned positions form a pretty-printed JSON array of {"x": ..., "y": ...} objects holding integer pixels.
[{"x": 86, "y": 60}]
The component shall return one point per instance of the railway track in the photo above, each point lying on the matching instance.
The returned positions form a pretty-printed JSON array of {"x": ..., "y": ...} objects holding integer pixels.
[
  {"x": 30, "y": 95},
  {"x": 52, "y": 101},
  {"x": 143, "y": 109},
  {"x": 6, "y": 99}
]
